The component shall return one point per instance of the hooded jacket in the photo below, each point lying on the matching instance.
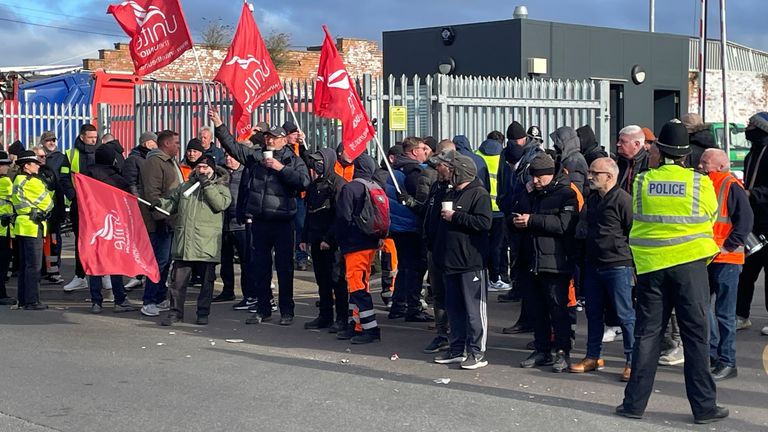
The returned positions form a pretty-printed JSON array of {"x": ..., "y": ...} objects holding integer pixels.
[
  {"x": 159, "y": 176},
  {"x": 272, "y": 194},
  {"x": 549, "y": 236},
  {"x": 628, "y": 169},
  {"x": 512, "y": 179},
  {"x": 105, "y": 169},
  {"x": 55, "y": 160},
  {"x": 461, "y": 245},
  {"x": 86, "y": 158},
  {"x": 432, "y": 211},
  {"x": 132, "y": 168},
  {"x": 701, "y": 139},
  {"x": 199, "y": 218},
  {"x": 571, "y": 160},
  {"x": 321, "y": 199},
  {"x": 407, "y": 172},
  {"x": 463, "y": 147},
  {"x": 350, "y": 203},
  {"x": 589, "y": 146},
  {"x": 756, "y": 182}
]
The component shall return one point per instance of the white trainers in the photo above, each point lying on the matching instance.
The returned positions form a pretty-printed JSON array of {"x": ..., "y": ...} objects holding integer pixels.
[
  {"x": 106, "y": 283},
  {"x": 133, "y": 283},
  {"x": 76, "y": 284},
  {"x": 672, "y": 357},
  {"x": 764, "y": 331},
  {"x": 150, "y": 310},
  {"x": 612, "y": 334},
  {"x": 497, "y": 286},
  {"x": 742, "y": 323},
  {"x": 164, "y": 306}
]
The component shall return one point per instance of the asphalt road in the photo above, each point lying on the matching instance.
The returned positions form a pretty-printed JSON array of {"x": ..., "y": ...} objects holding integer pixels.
[{"x": 67, "y": 370}]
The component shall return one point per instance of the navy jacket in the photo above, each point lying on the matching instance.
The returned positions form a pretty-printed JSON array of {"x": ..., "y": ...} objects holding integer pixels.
[{"x": 350, "y": 203}]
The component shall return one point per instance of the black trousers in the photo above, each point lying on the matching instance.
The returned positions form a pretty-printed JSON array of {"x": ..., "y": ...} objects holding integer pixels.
[
  {"x": 684, "y": 288},
  {"x": 180, "y": 277},
  {"x": 753, "y": 265},
  {"x": 331, "y": 282},
  {"x": 5, "y": 262},
  {"x": 437, "y": 281},
  {"x": 497, "y": 249},
  {"x": 549, "y": 295},
  {"x": 79, "y": 270},
  {"x": 411, "y": 267},
  {"x": 266, "y": 237},
  {"x": 30, "y": 260},
  {"x": 231, "y": 242}
]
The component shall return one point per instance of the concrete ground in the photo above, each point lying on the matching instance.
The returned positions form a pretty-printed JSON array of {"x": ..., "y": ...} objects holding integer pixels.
[{"x": 67, "y": 370}]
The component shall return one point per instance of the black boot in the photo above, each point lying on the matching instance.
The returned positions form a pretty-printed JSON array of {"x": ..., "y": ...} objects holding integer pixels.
[
  {"x": 366, "y": 337},
  {"x": 347, "y": 333},
  {"x": 318, "y": 323}
]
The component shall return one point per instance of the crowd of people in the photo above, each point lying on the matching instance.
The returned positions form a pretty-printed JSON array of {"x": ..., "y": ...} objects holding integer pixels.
[{"x": 635, "y": 238}]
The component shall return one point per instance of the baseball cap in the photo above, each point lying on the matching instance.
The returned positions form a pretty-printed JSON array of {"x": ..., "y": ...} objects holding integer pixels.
[{"x": 276, "y": 131}]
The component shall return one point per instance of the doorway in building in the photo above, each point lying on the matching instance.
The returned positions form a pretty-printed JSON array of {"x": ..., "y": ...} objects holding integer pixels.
[
  {"x": 617, "y": 115},
  {"x": 666, "y": 106}
]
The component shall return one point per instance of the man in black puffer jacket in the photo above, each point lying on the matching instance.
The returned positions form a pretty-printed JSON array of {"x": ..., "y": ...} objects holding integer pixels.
[
  {"x": 319, "y": 234},
  {"x": 550, "y": 225},
  {"x": 135, "y": 160},
  {"x": 274, "y": 184}
]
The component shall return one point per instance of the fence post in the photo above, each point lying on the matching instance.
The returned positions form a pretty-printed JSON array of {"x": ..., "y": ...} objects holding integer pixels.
[
  {"x": 102, "y": 121},
  {"x": 604, "y": 116},
  {"x": 441, "y": 105}
]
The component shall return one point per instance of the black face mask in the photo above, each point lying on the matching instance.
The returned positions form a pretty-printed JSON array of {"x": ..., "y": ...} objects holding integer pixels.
[{"x": 754, "y": 135}]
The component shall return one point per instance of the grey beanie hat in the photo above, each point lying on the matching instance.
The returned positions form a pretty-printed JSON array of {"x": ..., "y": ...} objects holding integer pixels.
[{"x": 464, "y": 169}]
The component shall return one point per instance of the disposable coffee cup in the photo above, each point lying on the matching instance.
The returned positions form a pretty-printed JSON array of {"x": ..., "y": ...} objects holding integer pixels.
[
  {"x": 268, "y": 154},
  {"x": 447, "y": 205}
]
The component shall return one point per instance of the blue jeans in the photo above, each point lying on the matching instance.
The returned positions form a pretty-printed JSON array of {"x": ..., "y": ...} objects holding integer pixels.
[
  {"x": 118, "y": 290},
  {"x": 155, "y": 293},
  {"x": 723, "y": 284},
  {"x": 298, "y": 223},
  {"x": 612, "y": 284}
]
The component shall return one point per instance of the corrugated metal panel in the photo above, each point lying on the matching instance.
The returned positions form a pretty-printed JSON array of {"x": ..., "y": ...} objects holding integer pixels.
[{"x": 740, "y": 58}]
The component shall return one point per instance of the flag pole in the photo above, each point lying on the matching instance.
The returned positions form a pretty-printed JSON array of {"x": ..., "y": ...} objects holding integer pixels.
[
  {"x": 149, "y": 204},
  {"x": 202, "y": 79},
  {"x": 290, "y": 107},
  {"x": 386, "y": 162}
]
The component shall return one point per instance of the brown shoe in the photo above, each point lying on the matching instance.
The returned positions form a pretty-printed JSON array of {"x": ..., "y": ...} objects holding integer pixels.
[
  {"x": 626, "y": 374},
  {"x": 587, "y": 365}
]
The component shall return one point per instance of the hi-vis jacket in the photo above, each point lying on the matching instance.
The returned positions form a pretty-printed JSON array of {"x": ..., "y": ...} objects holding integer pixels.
[
  {"x": 674, "y": 209},
  {"x": 31, "y": 199},
  {"x": 6, "y": 207}
]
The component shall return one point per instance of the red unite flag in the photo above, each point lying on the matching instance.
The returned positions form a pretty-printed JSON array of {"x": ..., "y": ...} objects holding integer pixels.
[
  {"x": 113, "y": 238},
  {"x": 248, "y": 72},
  {"x": 336, "y": 97},
  {"x": 158, "y": 32}
]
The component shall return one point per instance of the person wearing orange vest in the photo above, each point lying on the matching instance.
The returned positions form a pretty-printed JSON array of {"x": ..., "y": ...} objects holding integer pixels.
[{"x": 734, "y": 222}]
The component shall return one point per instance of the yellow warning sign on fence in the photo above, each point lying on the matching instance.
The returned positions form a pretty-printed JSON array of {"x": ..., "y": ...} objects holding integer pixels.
[{"x": 398, "y": 118}]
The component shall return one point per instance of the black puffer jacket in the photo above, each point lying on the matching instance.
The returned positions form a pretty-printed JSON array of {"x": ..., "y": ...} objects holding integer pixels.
[
  {"x": 701, "y": 140},
  {"x": 231, "y": 222},
  {"x": 554, "y": 215},
  {"x": 432, "y": 211},
  {"x": 322, "y": 195},
  {"x": 132, "y": 168},
  {"x": 271, "y": 194}
]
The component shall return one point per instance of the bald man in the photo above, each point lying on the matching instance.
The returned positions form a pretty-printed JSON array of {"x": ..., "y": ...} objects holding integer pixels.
[
  {"x": 609, "y": 270},
  {"x": 733, "y": 224}
]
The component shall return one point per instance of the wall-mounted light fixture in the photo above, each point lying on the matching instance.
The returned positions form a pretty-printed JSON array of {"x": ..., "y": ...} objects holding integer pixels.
[
  {"x": 448, "y": 35},
  {"x": 447, "y": 66},
  {"x": 638, "y": 74}
]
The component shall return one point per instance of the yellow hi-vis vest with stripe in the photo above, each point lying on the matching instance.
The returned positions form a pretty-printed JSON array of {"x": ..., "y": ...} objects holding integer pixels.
[
  {"x": 493, "y": 170},
  {"x": 29, "y": 192},
  {"x": 674, "y": 209},
  {"x": 6, "y": 207}
]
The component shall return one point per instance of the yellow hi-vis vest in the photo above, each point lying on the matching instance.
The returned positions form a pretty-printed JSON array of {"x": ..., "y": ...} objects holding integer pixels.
[
  {"x": 29, "y": 192},
  {"x": 6, "y": 207},
  {"x": 493, "y": 170},
  {"x": 674, "y": 209}
]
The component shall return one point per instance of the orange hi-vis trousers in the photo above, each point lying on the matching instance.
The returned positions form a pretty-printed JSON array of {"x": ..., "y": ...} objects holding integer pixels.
[
  {"x": 388, "y": 268},
  {"x": 361, "y": 309}
]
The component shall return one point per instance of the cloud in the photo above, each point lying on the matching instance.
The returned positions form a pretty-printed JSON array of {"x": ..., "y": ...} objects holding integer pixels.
[{"x": 302, "y": 19}]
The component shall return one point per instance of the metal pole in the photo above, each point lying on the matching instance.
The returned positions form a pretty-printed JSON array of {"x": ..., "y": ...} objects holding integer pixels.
[
  {"x": 290, "y": 108},
  {"x": 386, "y": 162},
  {"x": 703, "y": 62},
  {"x": 724, "y": 67},
  {"x": 202, "y": 79},
  {"x": 652, "y": 20}
]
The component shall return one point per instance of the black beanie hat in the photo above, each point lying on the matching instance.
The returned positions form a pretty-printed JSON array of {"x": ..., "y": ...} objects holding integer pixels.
[
  {"x": 542, "y": 164},
  {"x": 195, "y": 144},
  {"x": 431, "y": 142},
  {"x": 515, "y": 131}
]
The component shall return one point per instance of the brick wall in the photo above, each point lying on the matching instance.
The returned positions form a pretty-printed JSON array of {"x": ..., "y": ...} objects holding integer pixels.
[
  {"x": 360, "y": 56},
  {"x": 747, "y": 94}
]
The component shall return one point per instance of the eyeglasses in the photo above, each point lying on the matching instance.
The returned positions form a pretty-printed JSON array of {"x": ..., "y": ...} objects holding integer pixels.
[
  {"x": 41, "y": 156},
  {"x": 594, "y": 173}
]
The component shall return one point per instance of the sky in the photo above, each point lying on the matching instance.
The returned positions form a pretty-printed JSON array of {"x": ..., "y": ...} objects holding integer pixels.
[{"x": 66, "y": 31}]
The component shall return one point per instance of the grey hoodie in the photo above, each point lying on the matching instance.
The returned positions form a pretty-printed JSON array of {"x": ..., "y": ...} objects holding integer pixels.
[{"x": 571, "y": 160}]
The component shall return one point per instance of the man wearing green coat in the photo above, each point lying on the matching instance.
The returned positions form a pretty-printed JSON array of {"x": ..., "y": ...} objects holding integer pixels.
[{"x": 199, "y": 204}]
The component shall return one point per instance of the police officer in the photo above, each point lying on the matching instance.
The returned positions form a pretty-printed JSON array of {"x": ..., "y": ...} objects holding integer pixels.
[
  {"x": 672, "y": 241},
  {"x": 32, "y": 203},
  {"x": 6, "y": 215}
]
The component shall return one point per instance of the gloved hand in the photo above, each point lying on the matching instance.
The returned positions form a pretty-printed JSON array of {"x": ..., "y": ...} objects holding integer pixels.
[
  {"x": 406, "y": 199},
  {"x": 204, "y": 180},
  {"x": 5, "y": 220}
]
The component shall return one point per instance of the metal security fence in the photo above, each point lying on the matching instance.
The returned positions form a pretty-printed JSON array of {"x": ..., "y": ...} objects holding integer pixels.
[
  {"x": 26, "y": 122},
  {"x": 441, "y": 106},
  {"x": 740, "y": 57}
]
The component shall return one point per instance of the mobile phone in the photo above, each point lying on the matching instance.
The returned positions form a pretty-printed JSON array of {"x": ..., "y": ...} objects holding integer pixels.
[{"x": 516, "y": 214}]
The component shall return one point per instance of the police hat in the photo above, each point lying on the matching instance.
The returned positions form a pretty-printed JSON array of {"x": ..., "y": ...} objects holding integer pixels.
[
  {"x": 27, "y": 156},
  {"x": 673, "y": 140}
]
